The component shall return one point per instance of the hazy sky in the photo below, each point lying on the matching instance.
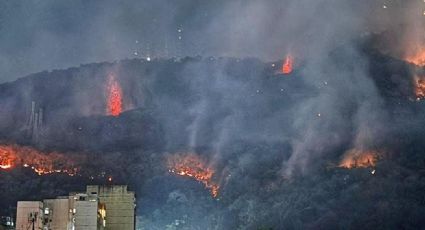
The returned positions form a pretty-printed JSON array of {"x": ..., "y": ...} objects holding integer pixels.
[{"x": 37, "y": 35}]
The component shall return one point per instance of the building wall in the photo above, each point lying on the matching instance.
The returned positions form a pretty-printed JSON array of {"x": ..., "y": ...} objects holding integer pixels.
[
  {"x": 120, "y": 205},
  {"x": 84, "y": 210},
  {"x": 56, "y": 211},
  {"x": 23, "y": 211}
]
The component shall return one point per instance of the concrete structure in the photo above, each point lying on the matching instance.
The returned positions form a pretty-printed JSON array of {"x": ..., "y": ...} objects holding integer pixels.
[
  {"x": 99, "y": 208},
  {"x": 29, "y": 215},
  {"x": 56, "y": 213},
  {"x": 79, "y": 211},
  {"x": 120, "y": 205},
  {"x": 84, "y": 209}
]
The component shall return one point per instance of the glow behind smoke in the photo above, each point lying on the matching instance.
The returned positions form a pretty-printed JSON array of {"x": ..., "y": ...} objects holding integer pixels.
[
  {"x": 359, "y": 159},
  {"x": 287, "y": 66},
  {"x": 114, "y": 96},
  {"x": 418, "y": 58}
]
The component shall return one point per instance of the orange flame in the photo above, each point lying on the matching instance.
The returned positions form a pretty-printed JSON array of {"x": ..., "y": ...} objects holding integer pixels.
[
  {"x": 41, "y": 163},
  {"x": 191, "y": 165},
  {"x": 114, "y": 96},
  {"x": 287, "y": 66},
  {"x": 359, "y": 159},
  {"x": 7, "y": 160}
]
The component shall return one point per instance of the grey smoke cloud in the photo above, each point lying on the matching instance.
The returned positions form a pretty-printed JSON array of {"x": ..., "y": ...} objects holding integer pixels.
[{"x": 43, "y": 35}]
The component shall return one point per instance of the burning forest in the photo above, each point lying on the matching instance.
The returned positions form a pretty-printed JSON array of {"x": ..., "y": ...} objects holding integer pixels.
[
  {"x": 263, "y": 174},
  {"x": 193, "y": 166},
  {"x": 225, "y": 115},
  {"x": 12, "y": 155}
]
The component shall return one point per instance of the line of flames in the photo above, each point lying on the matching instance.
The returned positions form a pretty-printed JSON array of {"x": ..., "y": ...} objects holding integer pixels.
[
  {"x": 191, "y": 165},
  {"x": 12, "y": 156}
]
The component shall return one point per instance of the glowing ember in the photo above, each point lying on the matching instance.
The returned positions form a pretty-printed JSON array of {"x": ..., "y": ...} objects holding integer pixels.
[
  {"x": 191, "y": 165},
  {"x": 419, "y": 84},
  {"x": 287, "y": 66},
  {"x": 114, "y": 96},
  {"x": 42, "y": 163},
  {"x": 359, "y": 159}
]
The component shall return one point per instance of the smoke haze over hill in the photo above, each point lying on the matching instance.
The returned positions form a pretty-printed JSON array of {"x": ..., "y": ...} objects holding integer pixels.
[
  {"x": 44, "y": 35},
  {"x": 201, "y": 119}
]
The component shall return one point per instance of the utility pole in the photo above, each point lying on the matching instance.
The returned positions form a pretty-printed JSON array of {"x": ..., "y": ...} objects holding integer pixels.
[{"x": 32, "y": 218}]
